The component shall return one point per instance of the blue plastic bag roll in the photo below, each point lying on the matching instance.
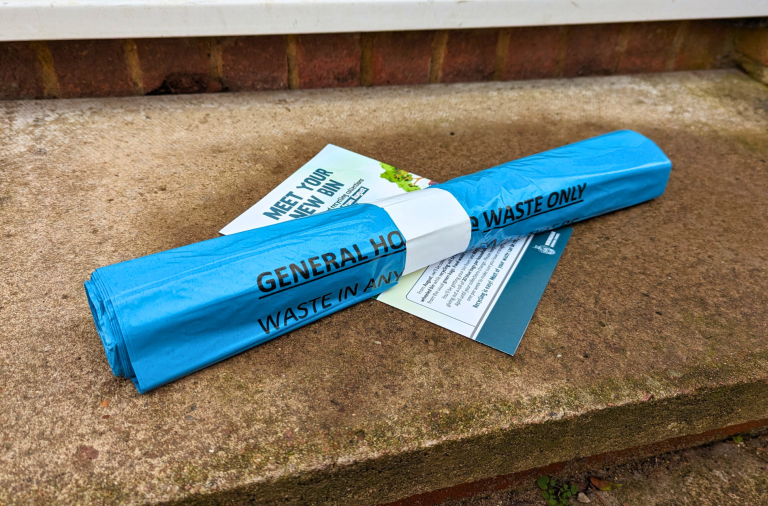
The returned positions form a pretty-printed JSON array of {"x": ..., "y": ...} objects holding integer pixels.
[
  {"x": 561, "y": 186},
  {"x": 166, "y": 315}
]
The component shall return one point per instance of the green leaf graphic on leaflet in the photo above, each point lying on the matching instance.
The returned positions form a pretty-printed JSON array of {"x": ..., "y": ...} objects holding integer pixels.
[{"x": 400, "y": 177}]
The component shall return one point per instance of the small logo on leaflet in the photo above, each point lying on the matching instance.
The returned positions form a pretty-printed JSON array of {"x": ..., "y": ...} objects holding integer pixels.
[
  {"x": 548, "y": 248},
  {"x": 545, "y": 249}
]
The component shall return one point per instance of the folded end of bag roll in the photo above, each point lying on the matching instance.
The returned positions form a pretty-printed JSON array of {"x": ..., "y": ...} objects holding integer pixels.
[
  {"x": 108, "y": 327},
  {"x": 640, "y": 172}
]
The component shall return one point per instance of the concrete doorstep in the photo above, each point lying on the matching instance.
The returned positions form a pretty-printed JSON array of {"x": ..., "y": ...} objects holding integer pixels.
[
  {"x": 651, "y": 334},
  {"x": 733, "y": 472}
]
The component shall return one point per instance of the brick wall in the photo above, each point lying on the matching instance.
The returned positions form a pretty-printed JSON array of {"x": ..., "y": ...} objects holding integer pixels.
[
  {"x": 91, "y": 68},
  {"x": 751, "y": 47}
]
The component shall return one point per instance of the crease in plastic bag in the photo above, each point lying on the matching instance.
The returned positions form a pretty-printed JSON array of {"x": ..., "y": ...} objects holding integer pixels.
[
  {"x": 562, "y": 186},
  {"x": 166, "y": 315}
]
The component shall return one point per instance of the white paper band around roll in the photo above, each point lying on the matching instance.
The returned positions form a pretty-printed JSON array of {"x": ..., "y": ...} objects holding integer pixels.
[{"x": 433, "y": 223}]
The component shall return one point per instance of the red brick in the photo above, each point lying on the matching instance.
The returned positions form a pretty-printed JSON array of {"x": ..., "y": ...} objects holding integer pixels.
[
  {"x": 470, "y": 55},
  {"x": 649, "y": 47},
  {"x": 328, "y": 60},
  {"x": 402, "y": 57},
  {"x": 704, "y": 46},
  {"x": 176, "y": 65},
  {"x": 91, "y": 68},
  {"x": 753, "y": 42},
  {"x": 19, "y": 71},
  {"x": 255, "y": 63},
  {"x": 532, "y": 53},
  {"x": 592, "y": 50}
]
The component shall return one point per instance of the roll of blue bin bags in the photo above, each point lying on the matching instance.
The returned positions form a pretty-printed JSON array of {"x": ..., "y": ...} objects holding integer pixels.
[{"x": 166, "y": 315}]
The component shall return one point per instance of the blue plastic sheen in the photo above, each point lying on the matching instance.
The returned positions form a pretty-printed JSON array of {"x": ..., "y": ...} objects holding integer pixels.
[
  {"x": 580, "y": 181},
  {"x": 163, "y": 316}
]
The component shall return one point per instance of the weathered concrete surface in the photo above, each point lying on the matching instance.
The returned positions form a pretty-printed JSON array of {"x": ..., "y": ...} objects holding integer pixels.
[
  {"x": 723, "y": 473},
  {"x": 666, "y": 299},
  {"x": 726, "y": 472}
]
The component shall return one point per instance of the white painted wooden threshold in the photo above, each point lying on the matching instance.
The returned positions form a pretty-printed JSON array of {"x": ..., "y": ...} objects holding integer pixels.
[{"x": 106, "y": 19}]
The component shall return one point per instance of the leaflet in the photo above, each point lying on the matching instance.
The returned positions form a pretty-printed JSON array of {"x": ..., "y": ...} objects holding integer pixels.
[
  {"x": 459, "y": 291},
  {"x": 486, "y": 294},
  {"x": 334, "y": 178}
]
